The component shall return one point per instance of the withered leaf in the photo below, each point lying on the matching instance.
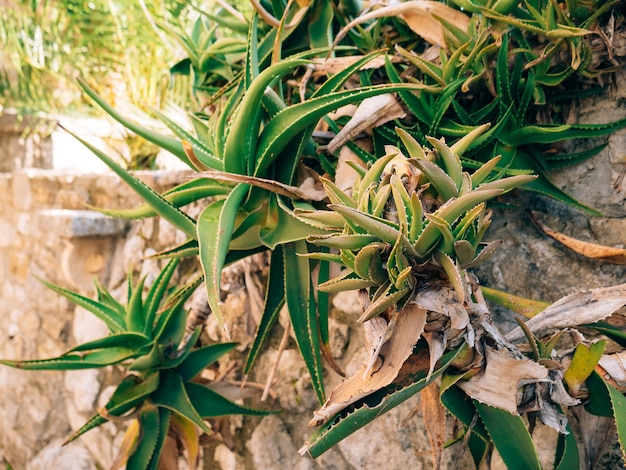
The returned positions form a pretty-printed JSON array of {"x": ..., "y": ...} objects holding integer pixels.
[
  {"x": 588, "y": 306},
  {"x": 372, "y": 112},
  {"x": 334, "y": 65},
  {"x": 408, "y": 329},
  {"x": 615, "y": 366},
  {"x": 128, "y": 445},
  {"x": 420, "y": 15},
  {"x": 435, "y": 421},
  {"x": 306, "y": 191},
  {"x": 498, "y": 384},
  {"x": 590, "y": 250}
]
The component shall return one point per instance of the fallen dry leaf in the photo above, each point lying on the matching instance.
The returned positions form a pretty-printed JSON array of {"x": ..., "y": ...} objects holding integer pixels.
[
  {"x": 420, "y": 15},
  {"x": 407, "y": 331},
  {"x": 590, "y": 250},
  {"x": 615, "y": 366},
  {"x": 588, "y": 306},
  {"x": 345, "y": 176},
  {"x": 372, "y": 112},
  {"x": 306, "y": 191},
  {"x": 498, "y": 384},
  {"x": 333, "y": 65},
  {"x": 435, "y": 421}
]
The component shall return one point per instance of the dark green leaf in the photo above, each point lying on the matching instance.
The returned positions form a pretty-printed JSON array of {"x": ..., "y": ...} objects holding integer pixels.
[
  {"x": 302, "y": 311},
  {"x": 210, "y": 404},
  {"x": 199, "y": 359},
  {"x": 510, "y": 436},
  {"x": 172, "y": 395}
]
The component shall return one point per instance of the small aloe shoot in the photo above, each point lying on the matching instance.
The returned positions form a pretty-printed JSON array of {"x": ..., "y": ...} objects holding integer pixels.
[{"x": 161, "y": 360}]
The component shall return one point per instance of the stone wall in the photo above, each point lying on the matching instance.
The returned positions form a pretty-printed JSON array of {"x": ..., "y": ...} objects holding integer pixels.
[
  {"x": 47, "y": 232},
  {"x": 25, "y": 141}
]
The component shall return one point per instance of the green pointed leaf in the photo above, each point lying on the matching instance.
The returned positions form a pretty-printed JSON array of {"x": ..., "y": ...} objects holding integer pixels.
[
  {"x": 184, "y": 250},
  {"x": 612, "y": 332},
  {"x": 215, "y": 228},
  {"x": 210, "y": 404},
  {"x": 241, "y": 142},
  {"x": 200, "y": 359},
  {"x": 77, "y": 361},
  {"x": 344, "y": 283},
  {"x": 451, "y": 162},
  {"x": 110, "y": 316},
  {"x": 172, "y": 395},
  {"x": 282, "y": 226},
  {"x": 566, "y": 452},
  {"x": 135, "y": 315},
  {"x": 156, "y": 294},
  {"x": 618, "y": 403},
  {"x": 120, "y": 340},
  {"x": 274, "y": 301},
  {"x": 583, "y": 364},
  {"x": 202, "y": 153},
  {"x": 449, "y": 212},
  {"x": 381, "y": 228},
  {"x": 294, "y": 119},
  {"x": 483, "y": 172},
  {"x": 164, "y": 426},
  {"x": 302, "y": 311},
  {"x": 387, "y": 300},
  {"x": 443, "y": 184},
  {"x": 149, "y": 423},
  {"x": 130, "y": 393},
  {"x": 544, "y": 134},
  {"x": 347, "y": 242},
  {"x": 160, "y": 205},
  {"x": 151, "y": 360},
  {"x": 105, "y": 297},
  {"x": 167, "y": 143},
  {"x": 599, "y": 402},
  {"x": 506, "y": 184},
  {"x": 170, "y": 328},
  {"x": 370, "y": 408},
  {"x": 510, "y": 436},
  {"x": 461, "y": 406}
]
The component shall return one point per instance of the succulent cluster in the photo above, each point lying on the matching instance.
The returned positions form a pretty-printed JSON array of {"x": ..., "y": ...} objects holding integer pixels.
[
  {"x": 407, "y": 218},
  {"x": 160, "y": 390}
]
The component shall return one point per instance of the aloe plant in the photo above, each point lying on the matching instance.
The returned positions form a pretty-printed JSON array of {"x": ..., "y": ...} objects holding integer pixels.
[
  {"x": 494, "y": 71},
  {"x": 160, "y": 389},
  {"x": 405, "y": 235}
]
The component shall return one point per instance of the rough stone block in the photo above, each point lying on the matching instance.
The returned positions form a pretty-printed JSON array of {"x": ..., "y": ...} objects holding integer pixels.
[
  {"x": 78, "y": 223},
  {"x": 22, "y": 194},
  {"x": 7, "y": 233}
]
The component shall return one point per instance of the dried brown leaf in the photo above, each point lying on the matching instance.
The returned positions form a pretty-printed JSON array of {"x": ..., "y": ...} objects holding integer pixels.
[
  {"x": 333, "y": 65},
  {"x": 377, "y": 333},
  {"x": 436, "y": 347},
  {"x": 189, "y": 435},
  {"x": 420, "y": 15},
  {"x": 590, "y": 250},
  {"x": 128, "y": 445},
  {"x": 435, "y": 421},
  {"x": 498, "y": 384},
  {"x": 588, "y": 306},
  {"x": 615, "y": 366},
  {"x": 408, "y": 329},
  {"x": 345, "y": 176},
  {"x": 306, "y": 191},
  {"x": 372, "y": 112}
]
